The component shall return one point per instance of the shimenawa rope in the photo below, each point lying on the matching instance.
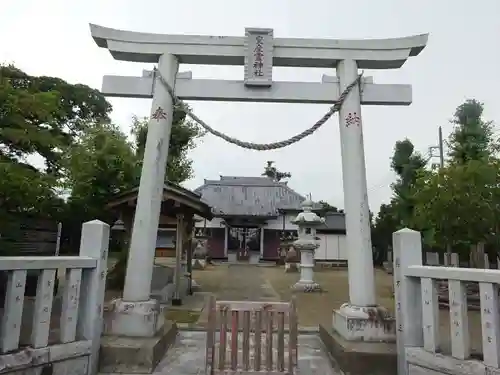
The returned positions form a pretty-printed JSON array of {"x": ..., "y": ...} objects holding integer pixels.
[{"x": 258, "y": 146}]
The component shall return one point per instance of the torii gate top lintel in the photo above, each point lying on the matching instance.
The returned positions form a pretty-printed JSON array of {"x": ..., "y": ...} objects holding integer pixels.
[{"x": 230, "y": 50}]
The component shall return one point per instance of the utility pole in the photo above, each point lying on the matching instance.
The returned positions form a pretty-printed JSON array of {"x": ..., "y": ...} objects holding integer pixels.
[{"x": 441, "y": 148}]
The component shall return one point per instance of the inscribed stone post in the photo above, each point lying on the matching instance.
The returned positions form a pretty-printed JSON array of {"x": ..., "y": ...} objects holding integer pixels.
[
  {"x": 486, "y": 261},
  {"x": 94, "y": 243},
  {"x": 407, "y": 245},
  {"x": 432, "y": 259},
  {"x": 446, "y": 259}
]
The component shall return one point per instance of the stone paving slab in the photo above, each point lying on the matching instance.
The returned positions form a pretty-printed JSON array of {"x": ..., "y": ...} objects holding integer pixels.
[{"x": 187, "y": 356}]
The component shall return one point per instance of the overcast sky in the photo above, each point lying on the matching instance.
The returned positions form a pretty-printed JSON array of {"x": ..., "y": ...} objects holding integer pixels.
[{"x": 52, "y": 37}]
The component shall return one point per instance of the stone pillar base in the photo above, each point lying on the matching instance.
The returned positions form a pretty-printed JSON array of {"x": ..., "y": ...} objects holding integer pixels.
[
  {"x": 358, "y": 357},
  {"x": 307, "y": 287},
  {"x": 369, "y": 324},
  {"x": 199, "y": 264},
  {"x": 194, "y": 285},
  {"x": 134, "y": 319},
  {"x": 388, "y": 267},
  {"x": 135, "y": 355}
]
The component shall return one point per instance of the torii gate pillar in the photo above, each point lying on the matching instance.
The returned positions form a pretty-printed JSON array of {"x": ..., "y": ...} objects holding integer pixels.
[
  {"x": 361, "y": 318},
  {"x": 360, "y": 260}
]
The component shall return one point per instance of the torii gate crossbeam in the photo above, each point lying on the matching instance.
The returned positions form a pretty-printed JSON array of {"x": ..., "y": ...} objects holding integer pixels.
[{"x": 187, "y": 88}]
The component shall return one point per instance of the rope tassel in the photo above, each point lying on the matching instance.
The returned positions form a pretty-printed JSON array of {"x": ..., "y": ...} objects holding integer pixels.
[{"x": 258, "y": 146}]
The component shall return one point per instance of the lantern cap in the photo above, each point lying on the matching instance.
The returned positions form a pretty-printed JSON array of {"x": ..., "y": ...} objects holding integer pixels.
[{"x": 307, "y": 218}]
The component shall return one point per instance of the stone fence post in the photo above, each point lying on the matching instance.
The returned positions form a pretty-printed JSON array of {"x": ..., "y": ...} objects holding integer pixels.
[
  {"x": 94, "y": 243},
  {"x": 432, "y": 258},
  {"x": 407, "y": 247}
]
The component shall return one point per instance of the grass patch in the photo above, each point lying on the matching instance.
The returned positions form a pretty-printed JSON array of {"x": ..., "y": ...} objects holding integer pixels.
[
  {"x": 317, "y": 308},
  {"x": 182, "y": 316}
]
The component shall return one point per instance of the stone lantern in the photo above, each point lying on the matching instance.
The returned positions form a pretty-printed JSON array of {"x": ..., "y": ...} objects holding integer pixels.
[
  {"x": 200, "y": 250},
  {"x": 292, "y": 259},
  {"x": 306, "y": 244}
]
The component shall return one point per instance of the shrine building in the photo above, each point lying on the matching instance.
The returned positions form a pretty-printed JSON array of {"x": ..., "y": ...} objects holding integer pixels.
[{"x": 254, "y": 213}]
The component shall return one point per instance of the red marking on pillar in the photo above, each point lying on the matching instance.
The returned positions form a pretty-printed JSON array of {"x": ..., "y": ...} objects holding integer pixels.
[
  {"x": 352, "y": 118},
  {"x": 159, "y": 114}
]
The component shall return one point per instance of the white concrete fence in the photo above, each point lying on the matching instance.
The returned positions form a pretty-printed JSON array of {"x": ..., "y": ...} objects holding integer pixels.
[
  {"x": 417, "y": 313},
  {"x": 451, "y": 260},
  {"x": 74, "y": 343}
]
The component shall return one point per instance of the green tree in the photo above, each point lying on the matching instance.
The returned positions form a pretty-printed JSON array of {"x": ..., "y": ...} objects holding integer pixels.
[
  {"x": 407, "y": 164},
  {"x": 383, "y": 225},
  {"x": 24, "y": 191},
  {"x": 327, "y": 207},
  {"x": 22, "y": 187},
  {"x": 472, "y": 137},
  {"x": 101, "y": 163},
  {"x": 458, "y": 206},
  {"x": 39, "y": 116},
  {"x": 182, "y": 140},
  {"x": 273, "y": 173}
]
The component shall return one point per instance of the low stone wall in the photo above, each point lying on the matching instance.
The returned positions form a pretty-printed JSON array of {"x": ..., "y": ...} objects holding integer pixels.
[
  {"x": 434, "y": 259},
  {"x": 422, "y": 362},
  {"x": 321, "y": 264},
  {"x": 357, "y": 357},
  {"x": 62, "y": 359}
]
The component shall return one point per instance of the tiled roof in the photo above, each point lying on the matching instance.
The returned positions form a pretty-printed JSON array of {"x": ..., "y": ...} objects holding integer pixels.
[
  {"x": 248, "y": 196},
  {"x": 334, "y": 221},
  {"x": 175, "y": 190}
]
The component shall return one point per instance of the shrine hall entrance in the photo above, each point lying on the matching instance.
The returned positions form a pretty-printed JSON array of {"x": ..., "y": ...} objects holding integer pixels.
[{"x": 244, "y": 242}]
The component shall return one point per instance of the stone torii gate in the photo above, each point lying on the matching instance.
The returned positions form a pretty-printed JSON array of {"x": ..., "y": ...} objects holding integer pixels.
[{"x": 259, "y": 52}]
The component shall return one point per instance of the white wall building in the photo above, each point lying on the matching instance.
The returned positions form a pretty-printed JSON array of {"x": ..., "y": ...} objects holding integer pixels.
[{"x": 253, "y": 213}]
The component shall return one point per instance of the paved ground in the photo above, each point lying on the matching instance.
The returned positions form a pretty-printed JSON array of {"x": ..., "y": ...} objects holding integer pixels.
[
  {"x": 238, "y": 282},
  {"x": 187, "y": 357}
]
